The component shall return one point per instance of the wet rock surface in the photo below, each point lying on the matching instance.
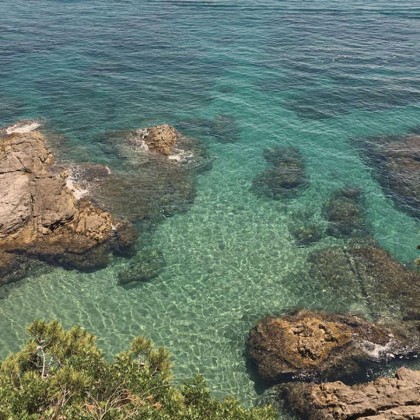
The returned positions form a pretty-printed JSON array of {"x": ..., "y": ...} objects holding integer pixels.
[
  {"x": 315, "y": 345},
  {"x": 396, "y": 161},
  {"x": 285, "y": 176},
  {"x": 385, "y": 398},
  {"x": 369, "y": 274},
  {"x": 40, "y": 213},
  {"x": 345, "y": 214}
]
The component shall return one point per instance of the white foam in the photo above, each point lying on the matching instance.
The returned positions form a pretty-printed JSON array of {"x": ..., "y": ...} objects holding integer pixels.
[
  {"x": 76, "y": 190},
  {"x": 22, "y": 129},
  {"x": 180, "y": 156},
  {"x": 377, "y": 351}
]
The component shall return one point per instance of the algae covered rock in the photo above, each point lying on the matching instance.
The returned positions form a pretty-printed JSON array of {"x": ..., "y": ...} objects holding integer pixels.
[
  {"x": 151, "y": 184},
  {"x": 345, "y": 214},
  {"x": 285, "y": 176},
  {"x": 306, "y": 234},
  {"x": 324, "y": 346},
  {"x": 371, "y": 274},
  {"x": 396, "y": 163},
  {"x": 146, "y": 265}
]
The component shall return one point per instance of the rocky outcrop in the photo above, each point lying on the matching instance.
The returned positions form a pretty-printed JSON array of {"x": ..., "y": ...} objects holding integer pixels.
[
  {"x": 396, "y": 161},
  {"x": 369, "y": 274},
  {"x": 157, "y": 178},
  {"x": 41, "y": 214},
  {"x": 345, "y": 215},
  {"x": 314, "y": 345},
  {"x": 385, "y": 398},
  {"x": 285, "y": 177}
]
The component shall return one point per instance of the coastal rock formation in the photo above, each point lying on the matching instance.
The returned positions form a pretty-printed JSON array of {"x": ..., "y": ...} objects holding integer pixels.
[
  {"x": 324, "y": 346},
  {"x": 370, "y": 274},
  {"x": 397, "y": 168},
  {"x": 385, "y": 398},
  {"x": 40, "y": 213},
  {"x": 284, "y": 177},
  {"x": 157, "y": 178},
  {"x": 345, "y": 214}
]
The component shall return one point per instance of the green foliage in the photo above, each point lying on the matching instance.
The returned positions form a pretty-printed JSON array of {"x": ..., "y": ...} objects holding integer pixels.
[{"x": 61, "y": 374}]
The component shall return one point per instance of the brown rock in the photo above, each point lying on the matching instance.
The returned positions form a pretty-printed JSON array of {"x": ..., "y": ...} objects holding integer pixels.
[
  {"x": 39, "y": 214},
  {"x": 161, "y": 139},
  {"x": 384, "y": 398},
  {"x": 327, "y": 346}
]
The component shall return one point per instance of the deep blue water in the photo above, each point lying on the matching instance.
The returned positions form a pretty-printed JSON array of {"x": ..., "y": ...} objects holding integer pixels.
[{"x": 317, "y": 75}]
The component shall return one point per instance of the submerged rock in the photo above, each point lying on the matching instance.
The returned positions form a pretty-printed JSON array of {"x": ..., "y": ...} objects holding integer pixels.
[
  {"x": 41, "y": 215},
  {"x": 146, "y": 265},
  {"x": 157, "y": 179},
  {"x": 396, "y": 161},
  {"x": 384, "y": 398},
  {"x": 324, "y": 346},
  {"x": 284, "y": 177},
  {"x": 345, "y": 214},
  {"x": 371, "y": 274},
  {"x": 223, "y": 128},
  {"x": 306, "y": 233}
]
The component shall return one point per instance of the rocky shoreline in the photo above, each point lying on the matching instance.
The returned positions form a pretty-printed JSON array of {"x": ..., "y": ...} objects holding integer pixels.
[
  {"x": 298, "y": 355},
  {"x": 74, "y": 215}
]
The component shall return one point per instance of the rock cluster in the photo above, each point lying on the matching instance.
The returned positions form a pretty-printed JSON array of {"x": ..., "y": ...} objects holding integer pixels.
[
  {"x": 284, "y": 177},
  {"x": 314, "y": 345},
  {"x": 385, "y": 398},
  {"x": 397, "y": 167},
  {"x": 40, "y": 214}
]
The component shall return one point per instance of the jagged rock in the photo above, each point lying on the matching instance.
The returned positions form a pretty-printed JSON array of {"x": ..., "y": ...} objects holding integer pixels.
[
  {"x": 325, "y": 346},
  {"x": 371, "y": 274},
  {"x": 40, "y": 213},
  {"x": 397, "y": 168},
  {"x": 345, "y": 214},
  {"x": 284, "y": 177},
  {"x": 147, "y": 264},
  {"x": 385, "y": 398}
]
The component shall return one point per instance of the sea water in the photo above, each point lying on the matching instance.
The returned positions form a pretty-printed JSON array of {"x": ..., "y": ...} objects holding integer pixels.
[{"x": 317, "y": 75}]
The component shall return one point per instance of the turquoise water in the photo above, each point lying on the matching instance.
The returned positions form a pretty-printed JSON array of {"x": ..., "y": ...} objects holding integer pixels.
[{"x": 316, "y": 75}]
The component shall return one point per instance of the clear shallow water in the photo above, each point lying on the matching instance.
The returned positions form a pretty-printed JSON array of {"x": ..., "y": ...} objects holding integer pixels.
[{"x": 316, "y": 76}]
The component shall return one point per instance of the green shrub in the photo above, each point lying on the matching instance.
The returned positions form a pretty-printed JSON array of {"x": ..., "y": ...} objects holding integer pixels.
[{"x": 61, "y": 374}]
